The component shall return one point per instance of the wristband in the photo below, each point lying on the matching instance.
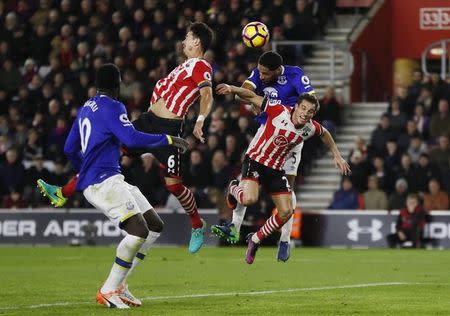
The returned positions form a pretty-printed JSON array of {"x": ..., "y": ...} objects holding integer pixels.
[{"x": 201, "y": 118}]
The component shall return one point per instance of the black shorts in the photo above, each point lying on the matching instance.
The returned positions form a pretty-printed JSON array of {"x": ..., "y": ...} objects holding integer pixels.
[
  {"x": 274, "y": 181},
  {"x": 168, "y": 156}
]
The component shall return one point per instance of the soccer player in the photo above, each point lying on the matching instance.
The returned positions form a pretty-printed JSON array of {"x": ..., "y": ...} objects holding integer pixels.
[
  {"x": 93, "y": 148},
  {"x": 282, "y": 84},
  {"x": 170, "y": 101},
  {"x": 286, "y": 127}
]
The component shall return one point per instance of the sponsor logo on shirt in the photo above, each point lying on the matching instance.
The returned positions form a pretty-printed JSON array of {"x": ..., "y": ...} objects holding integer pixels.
[{"x": 280, "y": 141}]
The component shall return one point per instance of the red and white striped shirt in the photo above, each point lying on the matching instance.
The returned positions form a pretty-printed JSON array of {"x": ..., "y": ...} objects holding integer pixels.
[
  {"x": 181, "y": 88},
  {"x": 271, "y": 145}
]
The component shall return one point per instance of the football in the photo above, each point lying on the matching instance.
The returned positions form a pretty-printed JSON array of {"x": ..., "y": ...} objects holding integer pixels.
[{"x": 255, "y": 34}]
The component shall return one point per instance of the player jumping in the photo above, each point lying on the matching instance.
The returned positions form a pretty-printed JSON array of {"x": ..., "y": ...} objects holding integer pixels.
[
  {"x": 170, "y": 101},
  {"x": 282, "y": 84},
  {"x": 286, "y": 127},
  {"x": 93, "y": 148}
]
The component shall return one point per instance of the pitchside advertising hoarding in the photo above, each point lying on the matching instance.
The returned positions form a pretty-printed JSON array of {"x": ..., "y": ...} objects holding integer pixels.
[{"x": 322, "y": 228}]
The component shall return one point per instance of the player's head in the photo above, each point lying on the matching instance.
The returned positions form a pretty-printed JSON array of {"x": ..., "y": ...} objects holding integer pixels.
[
  {"x": 107, "y": 80},
  {"x": 306, "y": 107},
  {"x": 270, "y": 67},
  {"x": 198, "y": 39}
]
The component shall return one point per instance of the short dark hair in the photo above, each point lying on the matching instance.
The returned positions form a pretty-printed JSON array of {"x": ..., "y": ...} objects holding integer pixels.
[
  {"x": 271, "y": 60},
  {"x": 203, "y": 32},
  {"x": 107, "y": 77},
  {"x": 310, "y": 98}
]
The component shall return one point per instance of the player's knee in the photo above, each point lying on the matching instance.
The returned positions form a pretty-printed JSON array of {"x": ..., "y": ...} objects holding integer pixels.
[
  {"x": 176, "y": 189},
  {"x": 157, "y": 225},
  {"x": 249, "y": 199},
  {"x": 285, "y": 215}
]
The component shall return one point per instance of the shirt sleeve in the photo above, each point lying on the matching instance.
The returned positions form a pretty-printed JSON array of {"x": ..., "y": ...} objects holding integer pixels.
[
  {"x": 318, "y": 128},
  {"x": 202, "y": 74},
  {"x": 254, "y": 79},
  {"x": 303, "y": 84},
  {"x": 119, "y": 125},
  {"x": 72, "y": 147}
]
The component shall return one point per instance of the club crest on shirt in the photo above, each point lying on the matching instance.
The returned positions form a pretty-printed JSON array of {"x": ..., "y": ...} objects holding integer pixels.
[
  {"x": 280, "y": 141},
  {"x": 305, "y": 131},
  {"x": 282, "y": 80}
]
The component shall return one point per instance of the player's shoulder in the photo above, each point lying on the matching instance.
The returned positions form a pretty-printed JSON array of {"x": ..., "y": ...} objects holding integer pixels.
[
  {"x": 293, "y": 70},
  {"x": 195, "y": 61}
]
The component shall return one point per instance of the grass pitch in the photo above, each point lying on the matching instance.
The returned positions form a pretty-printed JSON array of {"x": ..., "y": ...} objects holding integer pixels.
[{"x": 217, "y": 281}]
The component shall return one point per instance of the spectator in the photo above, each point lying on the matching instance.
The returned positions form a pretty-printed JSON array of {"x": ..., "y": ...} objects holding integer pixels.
[
  {"x": 410, "y": 224},
  {"x": 198, "y": 174},
  {"x": 12, "y": 172},
  {"x": 360, "y": 145},
  {"x": 440, "y": 156},
  {"x": 424, "y": 173},
  {"x": 435, "y": 199},
  {"x": 360, "y": 171},
  {"x": 398, "y": 198},
  {"x": 374, "y": 198},
  {"x": 330, "y": 111},
  {"x": 397, "y": 119},
  {"x": 440, "y": 121},
  {"x": 220, "y": 171},
  {"x": 422, "y": 121},
  {"x": 384, "y": 178},
  {"x": 346, "y": 198},
  {"x": 381, "y": 135},
  {"x": 37, "y": 171},
  {"x": 14, "y": 200},
  {"x": 407, "y": 171},
  {"x": 416, "y": 148},
  {"x": 405, "y": 138},
  {"x": 392, "y": 157}
]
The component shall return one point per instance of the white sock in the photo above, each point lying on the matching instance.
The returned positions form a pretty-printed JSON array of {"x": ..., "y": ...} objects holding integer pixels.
[
  {"x": 140, "y": 255},
  {"x": 238, "y": 216},
  {"x": 126, "y": 251},
  {"x": 287, "y": 227}
]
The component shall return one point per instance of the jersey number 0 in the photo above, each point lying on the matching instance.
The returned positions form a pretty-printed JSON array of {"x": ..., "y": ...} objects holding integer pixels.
[{"x": 85, "y": 133}]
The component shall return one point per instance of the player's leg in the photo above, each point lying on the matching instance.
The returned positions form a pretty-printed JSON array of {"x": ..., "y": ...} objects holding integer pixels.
[
  {"x": 290, "y": 168},
  {"x": 276, "y": 183},
  {"x": 155, "y": 226},
  {"x": 58, "y": 195},
  {"x": 118, "y": 204},
  {"x": 245, "y": 192}
]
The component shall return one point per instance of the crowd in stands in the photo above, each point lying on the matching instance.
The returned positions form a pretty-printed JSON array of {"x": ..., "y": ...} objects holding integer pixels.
[
  {"x": 50, "y": 50},
  {"x": 409, "y": 152}
]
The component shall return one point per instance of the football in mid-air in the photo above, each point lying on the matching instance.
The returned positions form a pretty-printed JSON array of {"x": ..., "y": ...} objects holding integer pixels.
[{"x": 255, "y": 34}]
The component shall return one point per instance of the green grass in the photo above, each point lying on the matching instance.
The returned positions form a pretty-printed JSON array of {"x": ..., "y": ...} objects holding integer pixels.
[{"x": 54, "y": 275}]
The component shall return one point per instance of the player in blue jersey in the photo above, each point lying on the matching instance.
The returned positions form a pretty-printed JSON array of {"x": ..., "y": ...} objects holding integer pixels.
[
  {"x": 282, "y": 84},
  {"x": 93, "y": 148}
]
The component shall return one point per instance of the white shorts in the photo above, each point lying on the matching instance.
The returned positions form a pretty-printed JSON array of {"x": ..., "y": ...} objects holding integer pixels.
[
  {"x": 293, "y": 160},
  {"x": 117, "y": 199}
]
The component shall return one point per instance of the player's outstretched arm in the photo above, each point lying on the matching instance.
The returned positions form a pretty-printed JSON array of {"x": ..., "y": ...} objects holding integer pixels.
[
  {"x": 206, "y": 101},
  {"x": 339, "y": 162},
  {"x": 73, "y": 146},
  {"x": 245, "y": 94}
]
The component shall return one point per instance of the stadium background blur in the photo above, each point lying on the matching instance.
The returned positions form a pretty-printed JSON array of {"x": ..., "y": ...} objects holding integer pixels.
[{"x": 49, "y": 52}]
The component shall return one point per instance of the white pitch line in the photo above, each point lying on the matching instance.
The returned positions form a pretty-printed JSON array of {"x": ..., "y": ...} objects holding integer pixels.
[{"x": 200, "y": 295}]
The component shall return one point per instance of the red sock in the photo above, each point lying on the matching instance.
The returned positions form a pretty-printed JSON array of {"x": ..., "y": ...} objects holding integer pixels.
[
  {"x": 271, "y": 225},
  {"x": 238, "y": 193},
  {"x": 69, "y": 188},
  {"x": 187, "y": 201}
]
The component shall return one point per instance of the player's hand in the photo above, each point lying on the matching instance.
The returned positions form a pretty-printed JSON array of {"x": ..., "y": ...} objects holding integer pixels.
[
  {"x": 180, "y": 143},
  {"x": 198, "y": 131},
  {"x": 223, "y": 88},
  {"x": 342, "y": 165}
]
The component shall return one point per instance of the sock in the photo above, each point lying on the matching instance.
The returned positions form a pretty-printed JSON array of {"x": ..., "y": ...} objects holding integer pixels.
[
  {"x": 238, "y": 216},
  {"x": 272, "y": 224},
  {"x": 126, "y": 250},
  {"x": 287, "y": 227},
  {"x": 69, "y": 188},
  {"x": 187, "y": 201},
  {"x": 238, "y": 193},
  {"x": 140, "y": 255}
]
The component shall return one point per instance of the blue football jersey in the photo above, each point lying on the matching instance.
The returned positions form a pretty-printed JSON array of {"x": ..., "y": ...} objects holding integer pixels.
[
  {"x": 93, "y": 144},
  {"x": 290, "y": 85}
]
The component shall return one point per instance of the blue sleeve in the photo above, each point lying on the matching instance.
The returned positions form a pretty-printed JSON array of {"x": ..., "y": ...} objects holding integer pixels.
[
  {"x": 119, "y": 124},
  {"x": 254, "y": 79},
  {"x": 72, "y": 147},
  {"x": 302, "y": 83}
]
